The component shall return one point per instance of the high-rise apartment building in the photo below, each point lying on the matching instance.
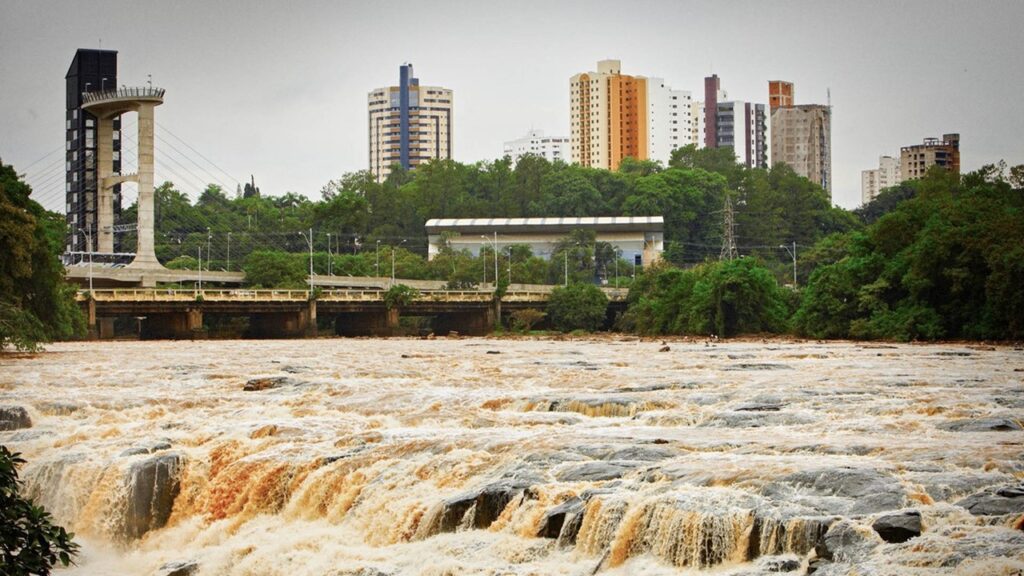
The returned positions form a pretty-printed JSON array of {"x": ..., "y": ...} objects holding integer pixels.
[
  {"x": 801, "y": 135},
  {"x": 615, "y": 116},
  {"x": 551, "y": 148},
  {"x": 874, "y": 181},
  {"x": 916, "y": 160},
  {"x": 90, "y": 71},
  {"x": 409, "y": 124},
  {"x": 742, "y": 126}
]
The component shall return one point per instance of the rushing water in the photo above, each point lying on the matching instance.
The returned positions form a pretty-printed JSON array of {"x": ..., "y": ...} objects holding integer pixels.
[{"x": 478, "y": 456}]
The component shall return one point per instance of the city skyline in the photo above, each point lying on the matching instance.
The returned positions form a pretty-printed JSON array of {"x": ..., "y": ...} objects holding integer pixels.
[{"x": 280, "y": 92}]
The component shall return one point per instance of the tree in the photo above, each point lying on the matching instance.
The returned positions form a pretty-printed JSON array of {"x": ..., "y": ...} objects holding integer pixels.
[
  {"x": 272, "y": 269},
  {"x": 29, "y": 541},
  {"x": 524, "y": 320},
  {"x": 577, "y": 307},
  {"x": 37, "y": 305}
]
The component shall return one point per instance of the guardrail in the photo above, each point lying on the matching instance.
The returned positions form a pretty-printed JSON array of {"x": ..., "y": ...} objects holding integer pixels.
[
  {"x": 245, "y": 295},
  {"x": 122, "y": 94}
]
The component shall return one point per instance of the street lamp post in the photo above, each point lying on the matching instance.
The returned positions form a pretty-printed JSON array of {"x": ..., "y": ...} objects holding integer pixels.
[
  {"x": 565, "y": 256},
  {"x": 88, "y": 246},
  {"x": 199, "y": 253},
  {"x": 209, "y": 243},
  {"x": 494, "y": 245},
  {"x": 393, "y": 261},
  {"x": 793, "y": 254},
  {"x": 329, "y": 256},
  {"x": 377, "y": 266},
  {"x": 229, "y": 251},
  {"x": 310, "y": 242}
]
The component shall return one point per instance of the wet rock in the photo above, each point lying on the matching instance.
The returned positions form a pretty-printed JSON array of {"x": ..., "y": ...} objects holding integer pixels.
[
  {"x": 772, "y": 565},
  {"x": 258, "y": 384},
  {"x": 731, "y": 419},
  {"x": 14, "y": 418},
  {"x": 990, "y": 424},
  {"x": 58, "y": 408},
  {"x": 840, "y": 490},
  {"x": 641, "y": 454},
  {"x": 943, "y": 486},
  {"x": 759, "y": 407},
  {"x": 664, "y": 349},
  {"x": 601, "y": 406},
  {"x": 181, "y": 568},
  {"x": 563, "y": 521},
  {"x": 995, "y": 501},
  {"x": 153, "y": 485},
  {"x": 493, "y": 352},
  {"x": 147, "y": 448},
  {"x": 758, "y": 366},
  {"x": 476, "y": 508},
  {"x": 592, "y": 472},
  {"x": 898, "y": 528},
  {"x": 847, "y": 542},
  {"x": 771, "y": 535}
]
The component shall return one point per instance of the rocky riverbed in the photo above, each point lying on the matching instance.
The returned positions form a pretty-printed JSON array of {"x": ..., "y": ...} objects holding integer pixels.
[{"x": 515, "y": 457}]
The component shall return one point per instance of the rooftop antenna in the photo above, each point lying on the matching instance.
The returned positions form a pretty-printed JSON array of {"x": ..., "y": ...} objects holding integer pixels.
[{"x": 828, "y": 96}]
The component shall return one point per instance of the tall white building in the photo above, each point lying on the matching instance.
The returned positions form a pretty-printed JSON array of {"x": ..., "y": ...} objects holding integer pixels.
[
  {"x": 551, "y": 148},
  {"x": 669, "y": 120},
  {"x": 885, "y": 176}
]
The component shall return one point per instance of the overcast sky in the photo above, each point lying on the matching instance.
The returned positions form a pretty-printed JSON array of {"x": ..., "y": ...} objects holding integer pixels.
[{"x": 278, "y": 89}]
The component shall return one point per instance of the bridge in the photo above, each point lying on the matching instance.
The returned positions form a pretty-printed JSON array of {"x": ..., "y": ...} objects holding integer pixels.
[{"x": 173, "y": 313}]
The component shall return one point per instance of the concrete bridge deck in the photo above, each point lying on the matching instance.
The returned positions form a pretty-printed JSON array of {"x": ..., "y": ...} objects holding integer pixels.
[{"x": 174, "y": 313}]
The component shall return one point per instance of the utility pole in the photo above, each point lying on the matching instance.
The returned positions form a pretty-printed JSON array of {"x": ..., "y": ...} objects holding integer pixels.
[
  {"x": 209, "y": 242},
  {"x": 229, "y": 251},
  {"x": 199, "y": 253},
  {"x": 793, "y": 254},
  {"x": 729, "y": 251},
  {"x": 329, "y": 255},
  {"x": 377, "y": 267}
]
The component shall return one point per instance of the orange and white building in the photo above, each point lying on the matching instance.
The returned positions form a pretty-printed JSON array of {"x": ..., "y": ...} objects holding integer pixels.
[{"x": 615, "y": 116}]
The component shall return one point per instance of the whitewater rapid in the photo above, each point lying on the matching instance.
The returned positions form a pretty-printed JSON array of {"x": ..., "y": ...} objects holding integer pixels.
[{"x": 376, "y": 457}]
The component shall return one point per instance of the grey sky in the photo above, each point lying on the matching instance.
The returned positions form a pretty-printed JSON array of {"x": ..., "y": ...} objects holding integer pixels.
[{"x": 278, "y": 89}]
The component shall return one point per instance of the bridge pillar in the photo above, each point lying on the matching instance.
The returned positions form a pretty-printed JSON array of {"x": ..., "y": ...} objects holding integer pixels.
[
  {"x": 479, "y": 322},
  {"x": 279, "y": 324},
  {"x": 311, "y": 328},
  {"x": 173, "y": 325},
  {"x": 369, "y": 323}
]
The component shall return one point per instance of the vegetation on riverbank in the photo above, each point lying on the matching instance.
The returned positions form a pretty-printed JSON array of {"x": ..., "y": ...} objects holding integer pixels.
[{"x": 35, "y": 303}]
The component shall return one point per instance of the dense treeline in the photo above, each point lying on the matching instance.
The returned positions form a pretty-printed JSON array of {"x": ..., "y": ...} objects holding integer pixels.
[
  {"x": 772, "y": 207},
  {"x": 35, "y": 303}
]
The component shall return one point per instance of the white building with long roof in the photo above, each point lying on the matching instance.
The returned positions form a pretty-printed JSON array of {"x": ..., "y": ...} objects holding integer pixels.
[{"x": 640, "y": 239}]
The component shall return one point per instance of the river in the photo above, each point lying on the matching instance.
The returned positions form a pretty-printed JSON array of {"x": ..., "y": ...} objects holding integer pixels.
[{"x": 376, "y": 457}]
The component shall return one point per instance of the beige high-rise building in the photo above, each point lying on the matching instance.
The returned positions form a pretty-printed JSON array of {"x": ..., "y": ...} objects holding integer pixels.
[
  {"x": 801, "y": 135},
  {"x": 409, "y": 124},
  {"x": 874, "y": 181},
  {"x": 615, "y": 116},
  {"x": 916, "y": 160}
]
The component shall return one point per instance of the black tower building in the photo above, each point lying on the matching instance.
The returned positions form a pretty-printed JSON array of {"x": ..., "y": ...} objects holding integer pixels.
[{"x": 90, "y": 71}]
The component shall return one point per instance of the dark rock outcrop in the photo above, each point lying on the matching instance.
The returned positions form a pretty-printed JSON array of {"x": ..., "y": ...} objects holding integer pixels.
[
  {"x": 592, "y": 472},
  {"x": 153, "y": 485},
  {"x": 14, "y": 418},
  {"x": 897, "y": 528},
  {"x": 181, "y": 568},
  {"x": 147, "y": 448},
  {"x": 476, "y": 508},
  {"x": 841, "y": 490},
  {"x": 995, "y": 501},
  {"x": 844, "y": 542},
  {"x": 563, "y": 521},
  {"x": 989, "y": 424},
  {"x": 257, "y": 384}
]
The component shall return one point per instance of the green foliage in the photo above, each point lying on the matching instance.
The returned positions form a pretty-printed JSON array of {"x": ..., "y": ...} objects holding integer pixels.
[
  {"x": 577, "y": 307},
  {"x": 524, "y": 320},
  {"x": 36, "y": 305},
  {"x": 271, "y": 269},
  {"x": 29, "y": 541},
  {"x": 723, "y": 298},
  {"x": 944, "y": 263},
  {"x": 400, "y": 295}
]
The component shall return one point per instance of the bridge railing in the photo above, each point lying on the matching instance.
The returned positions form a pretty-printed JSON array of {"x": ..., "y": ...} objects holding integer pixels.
[{"x": 262, "y": 295}]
